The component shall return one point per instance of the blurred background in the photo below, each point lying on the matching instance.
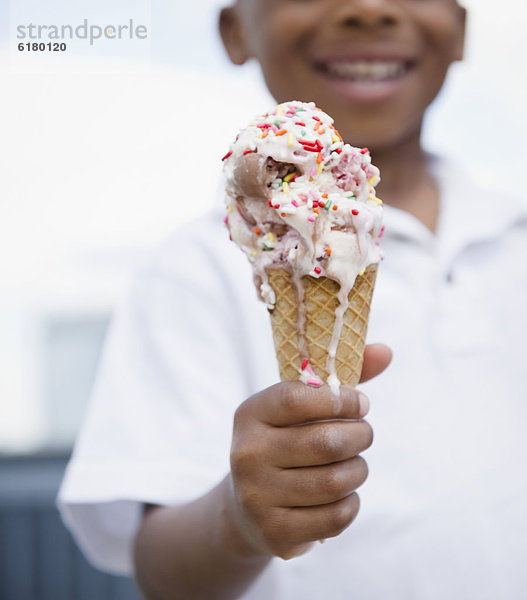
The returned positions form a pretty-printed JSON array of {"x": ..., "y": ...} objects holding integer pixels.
[{"x": 103, "y": 151}]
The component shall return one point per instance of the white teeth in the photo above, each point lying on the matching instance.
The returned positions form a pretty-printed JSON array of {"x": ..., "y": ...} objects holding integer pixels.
[{"x": 366, "y": 70}]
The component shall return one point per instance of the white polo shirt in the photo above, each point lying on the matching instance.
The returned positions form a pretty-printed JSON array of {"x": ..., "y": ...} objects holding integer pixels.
[{"x": 444, "y": 510}]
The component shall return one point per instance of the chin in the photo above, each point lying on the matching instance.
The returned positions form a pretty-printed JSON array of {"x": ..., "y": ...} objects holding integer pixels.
[{"x": 380, "y": 130}]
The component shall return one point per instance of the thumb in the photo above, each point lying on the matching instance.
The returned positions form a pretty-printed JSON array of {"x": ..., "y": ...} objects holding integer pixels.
[{"x": 376, "y": 358}]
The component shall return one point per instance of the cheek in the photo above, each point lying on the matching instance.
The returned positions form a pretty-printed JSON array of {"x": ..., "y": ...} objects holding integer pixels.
[
  {"x": 281, "y": 50},
  {"x": 443, "y": 35},
  {"x": 283, "y": 30}
]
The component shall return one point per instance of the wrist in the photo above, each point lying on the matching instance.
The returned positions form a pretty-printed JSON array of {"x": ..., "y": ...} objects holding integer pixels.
[{"x": 237, "y": 532}]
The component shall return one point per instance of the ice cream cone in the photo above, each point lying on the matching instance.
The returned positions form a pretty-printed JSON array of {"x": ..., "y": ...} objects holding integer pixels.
[
  {"x": 302, "y": 205},
  {"x": 320, "y": 302}
]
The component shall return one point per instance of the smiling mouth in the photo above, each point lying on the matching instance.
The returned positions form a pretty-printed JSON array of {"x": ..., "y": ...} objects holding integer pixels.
[{"x": 365, "y": 71}]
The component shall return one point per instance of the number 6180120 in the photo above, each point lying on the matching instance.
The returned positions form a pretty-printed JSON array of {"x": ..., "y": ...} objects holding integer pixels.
[{"x": 41, "y": 47}]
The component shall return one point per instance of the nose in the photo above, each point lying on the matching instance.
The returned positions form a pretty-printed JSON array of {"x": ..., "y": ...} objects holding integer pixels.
[{"x": 365, "y": 14}]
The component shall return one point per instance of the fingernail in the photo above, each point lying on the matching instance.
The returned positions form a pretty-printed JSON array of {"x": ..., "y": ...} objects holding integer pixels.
[{"x": 364, "y": 405}]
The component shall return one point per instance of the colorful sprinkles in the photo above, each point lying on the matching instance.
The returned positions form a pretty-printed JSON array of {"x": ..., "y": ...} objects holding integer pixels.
[
  {"x": 314, "y": 188},
  {"x": 314, "y": 139},
  {"x": 307, "y": 375}
]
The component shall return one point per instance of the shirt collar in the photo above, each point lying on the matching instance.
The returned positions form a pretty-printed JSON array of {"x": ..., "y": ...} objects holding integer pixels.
[{"x": 468, "y": 214}]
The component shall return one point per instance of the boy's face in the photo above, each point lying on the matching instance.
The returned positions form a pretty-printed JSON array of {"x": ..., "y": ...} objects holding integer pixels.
[{"x": 373, "y": 65}]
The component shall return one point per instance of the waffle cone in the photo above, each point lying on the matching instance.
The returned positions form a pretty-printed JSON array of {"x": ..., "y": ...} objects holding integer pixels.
[{"x": 320, "y": 300}]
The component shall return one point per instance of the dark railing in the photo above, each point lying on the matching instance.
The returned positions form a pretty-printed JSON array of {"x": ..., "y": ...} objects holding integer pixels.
[{"x": 38, "y": 557}]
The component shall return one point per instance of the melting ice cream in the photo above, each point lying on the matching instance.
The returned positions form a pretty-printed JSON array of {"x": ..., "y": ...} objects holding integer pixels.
[{"x": 300, "y": 199}]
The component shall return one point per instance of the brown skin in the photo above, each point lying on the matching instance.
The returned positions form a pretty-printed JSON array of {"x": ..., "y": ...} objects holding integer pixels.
[
  {"x": 292, "y": 482},
  {"x": 293, "y": 477},
  {"x": 294, "y": 41}
]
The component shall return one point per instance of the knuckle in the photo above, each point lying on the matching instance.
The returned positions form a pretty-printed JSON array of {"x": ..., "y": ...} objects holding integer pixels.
[
  {"x": 243, "y": 459},
  {"x": 361, "y": 471},
  {"x": 247, "y": 411},
  {"x": 327, "y": 443},
  {"x": 292, "y": 397},
  {"x": 331, "y": 482},
  {"x": 239, "y": 415},
  {"x": 340, "y": 519},
  {"x": 343, "y": 514}
]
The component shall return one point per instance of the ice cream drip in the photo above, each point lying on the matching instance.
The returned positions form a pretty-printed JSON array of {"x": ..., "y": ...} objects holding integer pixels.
[{"x": 300, "y": 199}]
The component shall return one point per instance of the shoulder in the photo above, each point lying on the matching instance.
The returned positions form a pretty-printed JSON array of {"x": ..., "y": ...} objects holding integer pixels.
[
  {"x": 478, "y": 202},
  {"x": 199, "y": 253},
  {"x": 196, "y": 280},
  {"x": 192, "y": 242}
]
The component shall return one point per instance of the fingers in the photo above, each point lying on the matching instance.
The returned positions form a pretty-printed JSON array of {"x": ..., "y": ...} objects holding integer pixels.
[
  {"x": 315, "y": 444},
  {"x": 313, "y": 486},
  {"x": 376, "y": 358},
  {"x": 292, "y": 403},
  {"x": 295, "y": 464},
  {"x": 302, "y": 525}
]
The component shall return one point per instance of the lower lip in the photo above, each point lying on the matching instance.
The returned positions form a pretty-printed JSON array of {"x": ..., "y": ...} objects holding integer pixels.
[{"x": 367, "y": 92}]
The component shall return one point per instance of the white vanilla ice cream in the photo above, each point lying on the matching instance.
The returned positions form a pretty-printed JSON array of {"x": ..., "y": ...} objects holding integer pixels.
[{"x": 300, "y": 199}]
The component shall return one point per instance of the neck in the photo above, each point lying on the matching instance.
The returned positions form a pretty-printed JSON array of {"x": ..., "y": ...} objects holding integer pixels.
[{"x": 406, "y": 182}]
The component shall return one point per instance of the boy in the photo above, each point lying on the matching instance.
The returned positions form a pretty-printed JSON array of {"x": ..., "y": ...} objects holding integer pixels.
[{"x": 443, "y": 512}]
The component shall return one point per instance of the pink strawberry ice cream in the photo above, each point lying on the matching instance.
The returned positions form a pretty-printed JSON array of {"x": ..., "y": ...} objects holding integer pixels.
[{"x": 300, "y": 199}]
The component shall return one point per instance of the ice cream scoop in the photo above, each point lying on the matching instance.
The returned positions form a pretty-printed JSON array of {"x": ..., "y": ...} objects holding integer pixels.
[{"x": 302, "y": 202}]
